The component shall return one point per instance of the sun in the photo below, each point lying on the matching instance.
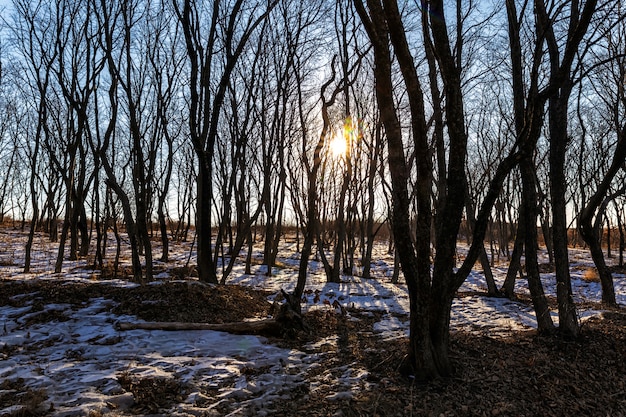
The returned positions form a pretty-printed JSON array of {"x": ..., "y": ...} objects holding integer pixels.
[
  {"x": 342, "y": 141},
  {"x": 338, "y": 146}
]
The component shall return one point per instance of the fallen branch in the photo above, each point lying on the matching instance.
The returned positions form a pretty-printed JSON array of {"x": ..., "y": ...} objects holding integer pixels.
[
  {"x": 268, "y": 327},
  {"x": 286, "y": 323}
]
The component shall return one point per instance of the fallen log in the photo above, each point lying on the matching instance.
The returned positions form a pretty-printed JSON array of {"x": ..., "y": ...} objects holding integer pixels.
[
  {"x": 267, "y": 327},
  {"x": 286, "y": 323}
]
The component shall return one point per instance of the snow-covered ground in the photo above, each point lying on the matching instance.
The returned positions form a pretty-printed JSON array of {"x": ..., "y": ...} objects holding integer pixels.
[{"x": 78, "y": 362}]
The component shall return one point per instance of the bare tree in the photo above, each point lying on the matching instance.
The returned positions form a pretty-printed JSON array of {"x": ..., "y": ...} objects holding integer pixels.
[
  {"x": 34, "y": 42},
  {"x": 103, "y": 144},
  {"x": 528, "y": 121},
  {"x": 608, "y": 82},
  {"x": 558, "y": 116},
  {"x": 166, "y": 65},
  {"x": 431, "y": 300},
  {"x": 380, "y": 21},
  {"x": 75, "y": 79},
  {"x": 212, "y": 55},
  {"x": 10, "y": 120},
  {"x": 247, "y": 118},
  {"x": 304, "y": 161}
]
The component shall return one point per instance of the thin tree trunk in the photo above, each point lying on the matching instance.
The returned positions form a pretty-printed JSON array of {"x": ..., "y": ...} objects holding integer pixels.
[
  {"x": 515, "y": 264},
  {"x": 620, "y": 229},
  {"x": 529, "y": 198},
  {"x": 590, "y": 234},
  {"x": 492, "y": 289},
  {"x": 61, "y": 251},
  {"x": 34, "y": 202},
  {"x": 370, "y": 233}
]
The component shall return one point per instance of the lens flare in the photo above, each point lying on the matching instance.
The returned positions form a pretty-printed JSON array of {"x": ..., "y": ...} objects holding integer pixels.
[
  {"x": 342, "y": 143},
  {"x": 338, "y": 146}
]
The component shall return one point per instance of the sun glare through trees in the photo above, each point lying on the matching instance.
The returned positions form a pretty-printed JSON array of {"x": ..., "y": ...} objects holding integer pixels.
[
  {"x": 441, "y": 153},
  {"x": 338, "y": 145}
]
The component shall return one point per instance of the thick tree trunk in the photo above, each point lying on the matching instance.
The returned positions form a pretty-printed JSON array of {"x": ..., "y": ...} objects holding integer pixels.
[
  {"x": 604, "y": 273},
  {"x": 206, "y": 267},
  {"x": 423, "y": 362},
  {"x": 568, "y": 318}
]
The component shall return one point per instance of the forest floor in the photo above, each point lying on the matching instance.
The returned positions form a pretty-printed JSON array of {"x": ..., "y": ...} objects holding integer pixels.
[{"x": 61, "y": 354}]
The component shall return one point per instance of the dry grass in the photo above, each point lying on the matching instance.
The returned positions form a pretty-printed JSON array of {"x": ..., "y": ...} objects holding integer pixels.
[
  {"x": 27, "y": 402},
  {"x": 591, "y": 275},
  {"x": 153, "y": 394}
]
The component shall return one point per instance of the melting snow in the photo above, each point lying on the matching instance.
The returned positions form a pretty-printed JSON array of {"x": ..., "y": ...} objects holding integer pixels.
[{"x": 78, "y": 361}]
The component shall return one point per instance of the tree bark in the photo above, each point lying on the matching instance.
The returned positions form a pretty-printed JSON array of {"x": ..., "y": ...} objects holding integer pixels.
[
  {"x": 568, "y": 318},
  {"x": 206, "y": 267}
]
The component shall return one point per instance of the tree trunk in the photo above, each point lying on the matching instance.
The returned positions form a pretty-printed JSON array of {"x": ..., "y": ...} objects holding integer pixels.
[
  {"x": 492, "y": 289},
  {"x": 590, "y": 234},
  {"x": 515, "y": 264},
  {"x": 366, "y": 261},
  {"x": 99, "y": 224},
  {"x": 529, "y": 198},
  {"x": 423, "y": 361},
  {"x": 311, "y": 228},
  {"x": 206, "y": 266},
  {"x": 609, "y": 254},
  {"x": 604, "y": 273},
  {"x": 267, "y": 327},
  {"x": 61, "y": 251},
  {"x": 33, "y": 196},
  {"x": 568, "y": 318},
  {"x": 395, "y": 276},
  {"x": 340, "y": 225},
  {"x": 620, "y": 229}
]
